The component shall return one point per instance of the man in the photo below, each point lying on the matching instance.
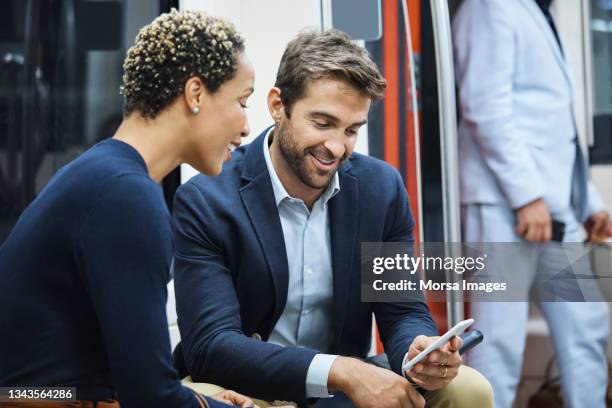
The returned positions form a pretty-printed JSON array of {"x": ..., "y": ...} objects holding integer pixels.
[
  {"x": 521, "y": 166},
  {"x": 267, "y": 264}
]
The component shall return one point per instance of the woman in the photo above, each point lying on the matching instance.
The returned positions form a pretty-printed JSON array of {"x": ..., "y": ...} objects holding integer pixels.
[{"x": 84, "y": 271}]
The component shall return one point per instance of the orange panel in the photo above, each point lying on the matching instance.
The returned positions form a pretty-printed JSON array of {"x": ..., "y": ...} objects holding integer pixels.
[
  {"x": 414, "y": 14},
  {"x": 391, "y": 117},
  {"x": 391, "y": 73}
]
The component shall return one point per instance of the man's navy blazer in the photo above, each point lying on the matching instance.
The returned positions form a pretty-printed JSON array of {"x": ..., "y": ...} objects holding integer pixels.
[{"x": 231, "y": 274}]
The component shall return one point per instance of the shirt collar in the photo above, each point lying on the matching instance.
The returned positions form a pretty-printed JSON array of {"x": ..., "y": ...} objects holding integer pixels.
[{"x": 279, "y": 190}]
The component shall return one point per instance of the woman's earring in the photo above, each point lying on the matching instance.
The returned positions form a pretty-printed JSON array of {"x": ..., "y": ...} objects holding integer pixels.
[{"x": 196, "y": 110}]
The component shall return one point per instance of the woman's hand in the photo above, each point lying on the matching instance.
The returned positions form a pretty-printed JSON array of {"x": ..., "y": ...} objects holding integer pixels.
[{"x": 233, "y": 398}]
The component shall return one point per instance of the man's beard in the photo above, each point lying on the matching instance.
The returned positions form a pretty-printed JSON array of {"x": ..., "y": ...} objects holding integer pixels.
[{"x": 296, "y": 158}]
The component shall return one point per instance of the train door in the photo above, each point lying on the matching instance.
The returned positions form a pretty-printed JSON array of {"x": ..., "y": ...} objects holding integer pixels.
[{"x": 60, "y": 71}]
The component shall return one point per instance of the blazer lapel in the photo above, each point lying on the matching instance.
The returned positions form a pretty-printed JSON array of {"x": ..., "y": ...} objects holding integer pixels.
[
  {"x": 542, "y": 23},
  {"x": 343, "y": 210},
  {"x": 258, "y": 200}
]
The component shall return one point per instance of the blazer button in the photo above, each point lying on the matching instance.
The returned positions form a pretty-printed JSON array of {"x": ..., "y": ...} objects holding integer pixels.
[{"x": 256, "y": 336}]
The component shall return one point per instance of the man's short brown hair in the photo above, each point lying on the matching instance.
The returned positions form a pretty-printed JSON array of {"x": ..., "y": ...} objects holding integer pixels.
[{"x": 314, "y": 55}]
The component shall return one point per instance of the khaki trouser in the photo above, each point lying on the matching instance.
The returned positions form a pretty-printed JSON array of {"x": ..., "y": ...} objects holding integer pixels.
[{"x": 468, "y": 390}]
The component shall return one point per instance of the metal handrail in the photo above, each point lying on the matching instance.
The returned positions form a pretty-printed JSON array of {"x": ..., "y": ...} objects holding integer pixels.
[
  {"x": 415, "y": 116},
  {"x": 448, "y": 145}
]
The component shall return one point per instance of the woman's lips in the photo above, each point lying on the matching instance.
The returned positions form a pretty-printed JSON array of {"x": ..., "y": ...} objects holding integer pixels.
[{"x": 230, "y": 149}]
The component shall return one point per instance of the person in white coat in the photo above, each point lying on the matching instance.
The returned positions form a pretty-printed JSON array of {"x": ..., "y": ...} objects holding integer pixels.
[{"x": 521, "y": 166}]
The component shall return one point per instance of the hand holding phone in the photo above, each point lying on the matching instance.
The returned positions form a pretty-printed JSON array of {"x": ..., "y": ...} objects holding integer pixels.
[{"x": 454, "y": 331}]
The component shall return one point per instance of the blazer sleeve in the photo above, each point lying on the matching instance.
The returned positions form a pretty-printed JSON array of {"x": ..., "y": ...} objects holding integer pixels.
[
  {"x": 485, "y": 59},
  {"x": 400, "y": 322},
  {"x": 214, "y": 347}
]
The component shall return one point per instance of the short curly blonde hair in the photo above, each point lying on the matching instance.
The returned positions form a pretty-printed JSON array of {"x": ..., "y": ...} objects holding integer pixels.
[{"x": 173, "y": 48}]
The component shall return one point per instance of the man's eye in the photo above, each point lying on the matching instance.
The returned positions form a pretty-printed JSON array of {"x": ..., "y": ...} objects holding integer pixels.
[
  {"x": 351, "y": 132},
  {"x": 321, "y": 125}
]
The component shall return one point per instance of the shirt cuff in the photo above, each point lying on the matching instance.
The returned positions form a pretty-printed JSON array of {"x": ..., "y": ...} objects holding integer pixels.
[
  {"x": 317, "y": 375},
  {"x": 594, "y": 201}
]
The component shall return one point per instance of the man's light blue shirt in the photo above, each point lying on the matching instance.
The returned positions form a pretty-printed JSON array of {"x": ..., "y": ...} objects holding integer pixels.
[{"x": 306, "y": 320}]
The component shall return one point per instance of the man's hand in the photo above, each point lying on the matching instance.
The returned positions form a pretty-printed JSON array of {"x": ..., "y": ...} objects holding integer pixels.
[
  {"x": 369, "y": 386},
  {"x": 233, "y": 398},
  {"x": 533, "y": 222},
  {"x": 439, "y": 367},
  {"x": 598, "y": 227}
]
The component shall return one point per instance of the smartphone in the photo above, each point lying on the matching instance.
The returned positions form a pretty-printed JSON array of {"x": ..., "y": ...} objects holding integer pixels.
[
  {"x": 558, "y": 231},
  {"x": 470, "y": 340},
  {"x": 454, "y": 331}
]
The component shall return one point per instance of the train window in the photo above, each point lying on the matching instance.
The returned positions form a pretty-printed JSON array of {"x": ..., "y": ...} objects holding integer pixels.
[
  {"x": 60, "y": 71},
  {"x": 361, "y": 19},
  {"x": 600, "y": 16}
]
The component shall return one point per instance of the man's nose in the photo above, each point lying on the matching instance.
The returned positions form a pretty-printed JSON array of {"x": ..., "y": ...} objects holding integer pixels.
[{"x": 336, "y": 148}]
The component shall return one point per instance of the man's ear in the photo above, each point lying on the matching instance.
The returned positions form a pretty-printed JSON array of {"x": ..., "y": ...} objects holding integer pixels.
[
  {"x": 194, "y": 94},
  {"x": 275, "y": 105}
]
